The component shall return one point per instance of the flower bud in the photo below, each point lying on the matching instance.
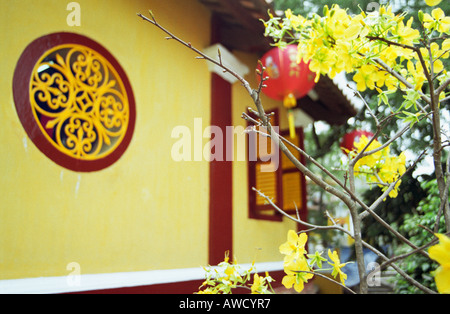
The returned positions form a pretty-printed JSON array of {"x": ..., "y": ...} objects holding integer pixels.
[{"x": 421, "y": 16}]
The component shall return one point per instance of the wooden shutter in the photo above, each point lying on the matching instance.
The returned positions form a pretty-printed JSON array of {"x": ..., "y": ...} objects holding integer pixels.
[
  {"x": 294, "y": 183},
  {"x": 268, "y": 181},
  {"x": 285, "y": 185}
]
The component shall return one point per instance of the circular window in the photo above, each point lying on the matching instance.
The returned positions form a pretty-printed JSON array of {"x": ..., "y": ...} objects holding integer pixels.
[{"x": 74, "y": 101}]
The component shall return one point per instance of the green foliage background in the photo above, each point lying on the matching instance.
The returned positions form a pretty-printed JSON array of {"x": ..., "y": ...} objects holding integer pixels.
[
  {"x": 306, "y": 7},
  {"x": 418, "y": 266}
]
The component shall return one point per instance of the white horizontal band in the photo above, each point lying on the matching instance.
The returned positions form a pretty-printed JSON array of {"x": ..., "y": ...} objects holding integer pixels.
[{"x": 67, "y": 284}]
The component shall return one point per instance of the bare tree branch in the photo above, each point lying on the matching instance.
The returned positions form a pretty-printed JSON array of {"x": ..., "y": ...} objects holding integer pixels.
[{"x": 346, "y": 195}]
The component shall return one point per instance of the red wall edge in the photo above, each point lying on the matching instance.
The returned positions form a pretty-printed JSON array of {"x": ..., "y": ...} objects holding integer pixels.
[{"x": 220, "y": 177}]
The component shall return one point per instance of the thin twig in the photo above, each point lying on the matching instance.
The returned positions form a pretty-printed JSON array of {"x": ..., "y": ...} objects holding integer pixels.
[
  {"x": 201, "y": 54},
  {"x": 403, "y": 80},
  {"x": 368, "y": 210},
  {"x": 392, "y": 186},
  {"x": 299, "y": 221},
  {"x": 327, "y": 278},
  {"x": 405, "y": 255},
  {"x": 442, "y": 87},
  {"x": 357, "y": 93},
  {"x": 339, "y": 228}
]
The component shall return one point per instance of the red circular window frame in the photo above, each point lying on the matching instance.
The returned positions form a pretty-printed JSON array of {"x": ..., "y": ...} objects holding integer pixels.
[{"x": 21, "y": 83}]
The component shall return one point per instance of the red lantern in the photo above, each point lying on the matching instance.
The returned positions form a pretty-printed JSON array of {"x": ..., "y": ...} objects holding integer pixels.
[
  {"x": 349, "y": 139},
  {"x": 288, "y": 79}
]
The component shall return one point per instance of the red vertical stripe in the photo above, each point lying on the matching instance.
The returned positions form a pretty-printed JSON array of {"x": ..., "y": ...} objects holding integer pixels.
[
  {"x": 220, "y": 192},
  {"x": 220, "y": 176}
]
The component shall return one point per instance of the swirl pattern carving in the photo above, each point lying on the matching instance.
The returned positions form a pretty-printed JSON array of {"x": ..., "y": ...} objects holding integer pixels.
[{"x": 79, "y": 102}]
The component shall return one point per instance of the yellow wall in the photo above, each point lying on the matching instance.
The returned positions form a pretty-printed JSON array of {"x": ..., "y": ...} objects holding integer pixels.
[
  {"x": 253, "y": 239},
  {"x": 145, "y": 211}
]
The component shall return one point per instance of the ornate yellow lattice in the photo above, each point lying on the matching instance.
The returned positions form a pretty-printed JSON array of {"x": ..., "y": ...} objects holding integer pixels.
[{"x": 79, "y": 102}]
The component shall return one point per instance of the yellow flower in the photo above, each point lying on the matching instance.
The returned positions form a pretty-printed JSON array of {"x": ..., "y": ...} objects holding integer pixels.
[
  {"x": 432, "y": 3},
  {"x": 441, "y": 254},
  {"x": 229, "y": 271},
  {"x": 428, "y": 21},
  {"x": 366, "y": 76},
  {"x": 337, "y": 265},
  {"x": 446, "y": 44},
  {"x": 257, "y": 283},
  {"x": 419, "y": 83},
  {"x": 387, "y": 10},
  {"x": 392, "y": 168},
  {"x": 394, "y": 192},
  {"x": 227, "y": 257},
  {"x": 288, "y": 13},
  {"x": 344, "y": 59},
  {"x": 296, "y": 20},
  {"x": 402, "y": 163},
  {"x": 438, "y": 14},
  {"x": 295, "y": 244},
  {"x": 406, "y": 33},
  {"x": 443, "y": 21},
  {"x": 416, "y": 75},
  {"x": 380, "y": 167},
  {"x": 322, "y": 61},
  {"x": 372, "y": 160},
  {"x": 295, "y": 275},
  {"x": 437, "y": 20},
  {"x": 438, "y": 66},
  {"x": 390, "y": 54},
  {"x": 206, "y": 291},
  {"x": 391, "y": 83}
]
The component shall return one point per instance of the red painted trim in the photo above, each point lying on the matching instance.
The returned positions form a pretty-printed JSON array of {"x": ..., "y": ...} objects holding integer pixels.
[
  {"x": 220, "y": 177},
  {"x": 185, "y": 287},
  {"x": 221, "y": 184},
  {"x": 21, "y": 83}
]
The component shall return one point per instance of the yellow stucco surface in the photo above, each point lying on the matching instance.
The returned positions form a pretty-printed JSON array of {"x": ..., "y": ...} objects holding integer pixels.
[{"x": 145, "y": 211}]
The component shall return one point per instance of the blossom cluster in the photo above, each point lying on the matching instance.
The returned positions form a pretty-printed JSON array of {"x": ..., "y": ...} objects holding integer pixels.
[
  {"x": 381, "y": 167},
  {"x": 372, "y": 46},
  {"x": 227, "y": 276},
  {"x": 300, "y": 266}
]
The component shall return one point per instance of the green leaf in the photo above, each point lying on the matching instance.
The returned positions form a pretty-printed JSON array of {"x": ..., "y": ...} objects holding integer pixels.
[{"x": 316, "y": 258}]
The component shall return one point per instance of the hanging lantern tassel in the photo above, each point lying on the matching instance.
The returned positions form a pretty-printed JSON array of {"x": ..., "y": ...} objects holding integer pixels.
[
  {"x": 290, "y": 102},
  {"x": 291, "y": 118}
]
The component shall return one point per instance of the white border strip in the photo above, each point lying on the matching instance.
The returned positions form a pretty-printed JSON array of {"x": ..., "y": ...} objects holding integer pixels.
[{"x": 54, "y": 285}]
